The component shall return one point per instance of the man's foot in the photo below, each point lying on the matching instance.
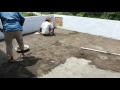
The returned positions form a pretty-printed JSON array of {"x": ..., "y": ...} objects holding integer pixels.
[
  {"x": 22, "y": 55},
  {"x": 11, "y": 60}
]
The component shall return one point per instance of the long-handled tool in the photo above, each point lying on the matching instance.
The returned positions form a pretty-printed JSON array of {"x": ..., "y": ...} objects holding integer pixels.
[{"x": 99, "y": 51}]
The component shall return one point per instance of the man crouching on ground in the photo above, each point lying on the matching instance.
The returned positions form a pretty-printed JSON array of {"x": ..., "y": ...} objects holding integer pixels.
[{"x": 46, "y": 28}]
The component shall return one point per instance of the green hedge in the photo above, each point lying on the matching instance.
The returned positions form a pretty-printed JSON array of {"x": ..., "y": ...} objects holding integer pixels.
[
  {"x": 28, "y": 14},
  {"x": 102, "y": 15}
]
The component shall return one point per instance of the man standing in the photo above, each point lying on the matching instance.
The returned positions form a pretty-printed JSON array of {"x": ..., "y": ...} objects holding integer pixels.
[
  {"x": 12, "y": 28},
  {"x": 47, "y": 28}
]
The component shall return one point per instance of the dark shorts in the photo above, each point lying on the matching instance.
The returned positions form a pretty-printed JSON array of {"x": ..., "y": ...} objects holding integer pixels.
[
  {"x": 51, "y": 34},
  {"x": 46, "y": 35}
]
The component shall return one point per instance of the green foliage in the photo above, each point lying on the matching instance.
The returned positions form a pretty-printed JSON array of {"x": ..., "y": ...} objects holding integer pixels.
[
  {"x": 79, "y": 14},
  {"x": 111, "y": 15},
  {"x": 92, "y": 14},
  {"x": 61, "y": 13},
  {"x": 48, "y": 12},
  {"x": 102, "y": 15},
  {"x": 28, "y": 14}
]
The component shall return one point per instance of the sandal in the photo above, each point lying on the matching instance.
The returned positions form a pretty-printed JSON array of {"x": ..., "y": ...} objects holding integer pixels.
[
  {"x": 11, "y": 60},
  {"x": 22, "y": 55}
]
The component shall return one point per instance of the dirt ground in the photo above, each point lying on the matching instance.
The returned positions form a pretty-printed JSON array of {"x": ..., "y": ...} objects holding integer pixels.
[{"x": 47, "y": 52}]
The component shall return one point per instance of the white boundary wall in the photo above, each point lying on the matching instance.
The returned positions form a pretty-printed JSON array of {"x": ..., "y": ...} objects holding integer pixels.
[{"x": 94, "y": 26}]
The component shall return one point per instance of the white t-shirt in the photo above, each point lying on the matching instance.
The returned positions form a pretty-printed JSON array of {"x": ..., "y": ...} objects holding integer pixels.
[{"x": 46, "y": 26}]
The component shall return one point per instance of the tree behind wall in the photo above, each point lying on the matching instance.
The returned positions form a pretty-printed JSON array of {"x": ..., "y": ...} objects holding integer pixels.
[{"x": 103, "y": 15}]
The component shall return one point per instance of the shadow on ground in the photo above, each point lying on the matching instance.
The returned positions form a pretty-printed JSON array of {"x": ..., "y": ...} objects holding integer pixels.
[
  {"x": 19, "y": 69},
  {"x": 3, "y": 57},
  {"x": 101, "y": 60}
]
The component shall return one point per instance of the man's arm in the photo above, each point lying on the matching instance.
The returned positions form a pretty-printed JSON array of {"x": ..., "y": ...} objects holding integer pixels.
[
  {"x": 1, "y": 30},
  {"x": 22, "y": 19},
  {"x": 51, "y": 28},
  {"x": 40, "y": 30},
  {"x": 41, "y": 27}
]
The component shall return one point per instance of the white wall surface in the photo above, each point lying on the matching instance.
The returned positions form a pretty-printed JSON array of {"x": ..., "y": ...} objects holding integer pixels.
[
  {"x": 95, "y": 26},
  {"x": 33, "y": 23}
]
